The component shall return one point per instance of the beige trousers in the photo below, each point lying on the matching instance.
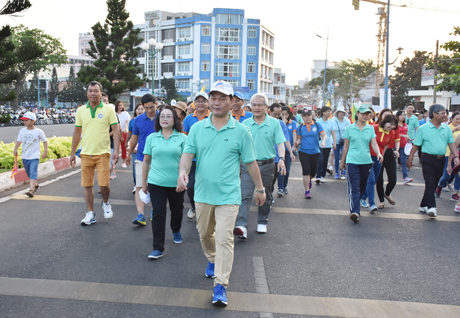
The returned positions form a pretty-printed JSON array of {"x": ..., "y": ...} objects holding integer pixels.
[{"x": 215, "y": 224}]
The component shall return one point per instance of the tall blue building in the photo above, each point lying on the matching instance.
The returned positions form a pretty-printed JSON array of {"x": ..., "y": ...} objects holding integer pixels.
[{"x": 199, "y": 49}]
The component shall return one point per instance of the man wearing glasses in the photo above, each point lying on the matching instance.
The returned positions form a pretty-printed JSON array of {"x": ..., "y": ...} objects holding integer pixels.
[
  {"x": 201, "y": 112},
  {"x": 266, "y": 131},
  {"x": 433, "y": 138}
]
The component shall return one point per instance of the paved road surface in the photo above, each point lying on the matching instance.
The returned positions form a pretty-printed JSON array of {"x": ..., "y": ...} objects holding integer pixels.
[
  {"x": 10, "y": 133},
  {"x": 312, "y": 262}
]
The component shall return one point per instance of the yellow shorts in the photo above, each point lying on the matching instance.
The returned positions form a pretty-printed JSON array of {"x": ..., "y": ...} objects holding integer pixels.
[{"x": 101, "y": 163}]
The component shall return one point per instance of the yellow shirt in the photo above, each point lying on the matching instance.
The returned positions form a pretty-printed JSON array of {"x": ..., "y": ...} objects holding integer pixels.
[
  {"x": 455, "y": 136},
  {"x": 95, "y": 128}
]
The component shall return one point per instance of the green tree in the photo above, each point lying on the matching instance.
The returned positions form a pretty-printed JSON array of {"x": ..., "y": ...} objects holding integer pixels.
[
  {"x": 12, "y": 54},
  {"x": 114, "y": 50},
  {"x": 54, "y": 54},
  {"x": 74, "y": 92},
  {"x": 171, "y": 92},
  {"x": 449, "y": 69},
  {"x": 53, "y": 87},
  {"x": 408, "y": 77}
]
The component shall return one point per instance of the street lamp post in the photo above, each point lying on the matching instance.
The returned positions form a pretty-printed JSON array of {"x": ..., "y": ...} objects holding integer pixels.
[
  {"x": 155, "y": 49},
  {"x": 386, "y": 57},
  {"x": 197, "y": 83},
  {"x": 325, "y": 64}
]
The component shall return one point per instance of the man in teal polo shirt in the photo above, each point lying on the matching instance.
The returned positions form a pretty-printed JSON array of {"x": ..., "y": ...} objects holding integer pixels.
[
  {"x": 433, "y": 137},
  {"x": 411, "y": 121},
  {"x": 219, "y": 142},
  {"x": 266, "y": 132}
]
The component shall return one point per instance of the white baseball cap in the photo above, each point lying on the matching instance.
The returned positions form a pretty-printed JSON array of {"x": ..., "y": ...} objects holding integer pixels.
[
  {"x": 173, "y": 102},
  {"x": 222, "y": 87},
  {"x": 28, "y": 116},
  {"x": 202, "y": 94}
]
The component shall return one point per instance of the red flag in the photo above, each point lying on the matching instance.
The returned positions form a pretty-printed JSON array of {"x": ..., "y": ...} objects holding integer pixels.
[{"x": 15, "y": 167}]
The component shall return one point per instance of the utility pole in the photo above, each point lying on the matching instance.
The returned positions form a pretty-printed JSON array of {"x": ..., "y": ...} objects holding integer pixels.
[
  {"x": 435, "y": 81},
  {"x": 325, "y": 67},
  {"x": 351, "y": 89},
  {"x": 386, "y": 57}
]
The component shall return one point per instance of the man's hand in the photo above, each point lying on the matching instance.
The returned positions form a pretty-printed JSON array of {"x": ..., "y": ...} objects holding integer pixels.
[
  {"x": 115, "y": 157},
  {"x": 128, "y": 160},
  {"x": 409, "y": 162},
  {"x": 281, "y": 167},
  {"x": 15, "y": 152},
  {"x": 456, "y": 161},
  {"x": 44, "y": 155},
  {"x": 380, "y": 158},
  {"x": 145, "y": 188},
  {"x": 260, "y": 198},
  {"x": 342, "y": 165},
  {"x": 73, "y": 160},
  {"x": 182, "y": 183},
  {"x": 292, "y": 156}
]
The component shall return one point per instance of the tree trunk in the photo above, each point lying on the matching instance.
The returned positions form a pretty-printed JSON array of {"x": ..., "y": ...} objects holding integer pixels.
[{"x": 19, "y": 84}]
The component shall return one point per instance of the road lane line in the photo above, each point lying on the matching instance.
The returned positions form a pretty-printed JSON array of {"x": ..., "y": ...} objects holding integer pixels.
[
  {"x": 261, "y": 281},
  {"x": 243, "y": 302},
  {"x": 385, "y": 215}
]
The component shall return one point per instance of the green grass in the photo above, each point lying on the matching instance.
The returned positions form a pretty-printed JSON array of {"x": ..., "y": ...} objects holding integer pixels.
[{"x": 4, "y": 170}]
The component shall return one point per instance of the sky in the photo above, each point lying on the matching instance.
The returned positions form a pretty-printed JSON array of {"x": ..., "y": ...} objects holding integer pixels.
[{"x": 352, "y": 32}]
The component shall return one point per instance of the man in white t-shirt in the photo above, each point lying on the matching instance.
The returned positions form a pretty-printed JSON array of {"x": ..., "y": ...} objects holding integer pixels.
[{"x": 30, "y": 138}]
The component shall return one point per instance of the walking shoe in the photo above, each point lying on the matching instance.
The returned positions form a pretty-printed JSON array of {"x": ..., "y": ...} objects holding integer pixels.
[
  {"x": 431, "y": 212},
  {"x": 140, "y": 219},
  {"x": 177, "y": 238},
  {"x": 219, "y": 295},
  {"x": 108, "y": 213},
  {"x": 89, "y": 219},
  {"x": 399, "y": 167},
  {"x": 307, "y": 194},
  {"x": 30, "y": 193},
  {"x": 364, "y": 204},
  {"x": 322, "y": 180},
  {"x": 36, "y": 188},
  {"x": 280, "y": 192},
  {"x": 273, "y": 201},
  {"x": 373, "y": 208},
  {"x": 438, "y": 191},
  {"x": 155, "y": 254},
  {"x": 336, "y": 176},
  {"x": 329, "y": 170},
  {"x": 446, "y": 189},
  {"x": 354, "y": 217},
  {"x": 423, "y": 209},
  {"x": 343, "y": 177},
  {"x": 318, "y": 180},
  {"x": 134, "y": 190},
  {"x": 407, "y": 180},
  {"x": 261, "y": 228},
  {"x": 457, "y": 208},
  {"x": 151, "y": 215},
  {"x": 454, "y": 197},
  {"x": 241, "y": 232},
  {"x": 285, "y": 190},
  {"x": 344, "y": 174},
  {"x": 450, "y": 186},
  {"x": 113, "y": 175},
  {"x": 123, "y": 165},
  {"x": 191, "y": 213},
  {"x": 210, "y": 271}
]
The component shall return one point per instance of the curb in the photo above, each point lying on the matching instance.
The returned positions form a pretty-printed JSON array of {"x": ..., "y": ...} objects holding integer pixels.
[{"x": 45, "y": 169}]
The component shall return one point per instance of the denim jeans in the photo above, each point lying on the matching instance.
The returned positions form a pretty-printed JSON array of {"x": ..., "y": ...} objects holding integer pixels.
[
  {"x": 373, "y": 175},
  {"x": 357, "y": 176},
  {"x": 447, "y": 178},
  {"x": 403, "y": 158},
  {"x": 283, "y": 180},
  {"x": 337, "y": 157}
]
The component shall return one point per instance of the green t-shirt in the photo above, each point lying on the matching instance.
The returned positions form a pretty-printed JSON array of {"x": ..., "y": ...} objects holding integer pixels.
[
  {"x": 299, "y": 119},
  {"x": 265, "y": 136},
  {"x": 434, "y": 140},
  {"x": 218, "y": 154},
  {"x": 358, "y": 151},
  {"x": 166, "y": 154},
  {"x": 412, "y": 123}
]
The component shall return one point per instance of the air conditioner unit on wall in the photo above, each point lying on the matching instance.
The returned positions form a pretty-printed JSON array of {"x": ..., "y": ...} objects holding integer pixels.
[{"x": 179, "y": 57}]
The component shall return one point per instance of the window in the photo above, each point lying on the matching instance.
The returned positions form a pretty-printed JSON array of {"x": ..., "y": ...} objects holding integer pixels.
[
  {"x": 168, "y": 51},
  {"x": 251, "y": 67},
  {"x": 184, "y": 33},
  {"x": 227, "y": 35},
  {"x": 251, "y": 84},
  {"x": 228, "y": 69},
  {"x": 229, "y": 52},
  {"x": 206, "y": 82},
  {"x": 205, "y": 67},
  {"x": 235, "y": 83},
  {"x": 184, "y": 67},
  {"x": 251, "y": 50},
  {"x": 228, "y": 18},
  {"x": 167, "y": 68},
  {"x": 168, "y": 34},
  {"x": 205, "y": 48},
  {"x": 184, "y": 49},
  {"x": 206, "y": 30},
  {"x": 184, "y": 84},
  {"x": 252, "y": 33}
]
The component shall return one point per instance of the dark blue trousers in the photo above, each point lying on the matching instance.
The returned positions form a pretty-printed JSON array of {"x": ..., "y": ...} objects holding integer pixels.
[{"x": 357, "y": 176}]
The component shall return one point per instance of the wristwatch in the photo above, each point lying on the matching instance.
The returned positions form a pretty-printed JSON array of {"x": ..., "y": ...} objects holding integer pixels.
[
  {"x": 261, "y": 191},
  {"x": 282, "y": 158}
]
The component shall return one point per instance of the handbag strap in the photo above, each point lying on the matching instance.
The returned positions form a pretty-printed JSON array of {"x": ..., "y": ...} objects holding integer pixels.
[{"x": 340, "y": 134}]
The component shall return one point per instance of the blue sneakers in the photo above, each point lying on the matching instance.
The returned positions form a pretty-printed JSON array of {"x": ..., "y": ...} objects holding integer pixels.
[
  {"x": 139, "y": 220},
  {"x": 210, "y": 270},
  {"x": 177, "y": 237},
  {"x": 364, "y": 204},
  {"x": 219, "y": 295},
  {"x": 155, "y": 254}
]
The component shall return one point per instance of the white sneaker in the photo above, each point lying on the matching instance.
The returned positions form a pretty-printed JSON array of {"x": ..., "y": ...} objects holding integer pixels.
[
  {"x": 108, "y": 214},
  {"x": 431, "y": 212},
  {"x": 89, "y": 219},
  {"x": 322, "y": 180},
  {"x": 191, "y": 213},
  {"x": 262, "y": 228},
  {"x": 134, "y": 190},
  {"x": 423, "y": 209},
  {"x": 241, "y": 232},
  {"x": 318, "y": 180}
]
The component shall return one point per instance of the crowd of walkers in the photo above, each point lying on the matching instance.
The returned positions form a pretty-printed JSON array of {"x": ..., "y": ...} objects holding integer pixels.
[{"x": 221, "y": 155}]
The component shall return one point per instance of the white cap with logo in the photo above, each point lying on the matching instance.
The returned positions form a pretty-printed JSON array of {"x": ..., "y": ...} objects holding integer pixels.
[
  {"x": 222, "y": 87},
  {"x": 28, "y": 116}
]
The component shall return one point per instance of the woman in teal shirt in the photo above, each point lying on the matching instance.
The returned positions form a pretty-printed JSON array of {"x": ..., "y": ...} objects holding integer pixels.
[{"x": 160, "y": 172}]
